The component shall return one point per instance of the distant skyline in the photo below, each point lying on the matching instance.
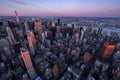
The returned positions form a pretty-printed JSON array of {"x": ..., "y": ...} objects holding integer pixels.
[{"x": 83, "y": 8}]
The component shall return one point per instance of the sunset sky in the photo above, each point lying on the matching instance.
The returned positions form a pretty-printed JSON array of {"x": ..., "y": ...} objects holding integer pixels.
[{"x": 88, "y": 8}]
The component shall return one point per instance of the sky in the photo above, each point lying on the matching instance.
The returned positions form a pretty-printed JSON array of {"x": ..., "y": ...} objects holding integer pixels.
[{"x": 84, "y": 8}]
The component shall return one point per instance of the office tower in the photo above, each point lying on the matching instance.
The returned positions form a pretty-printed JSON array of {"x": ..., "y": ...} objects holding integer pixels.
[
  {"x": 31, "y": 37},
  {"x": 48, "y": 44},
  {"x": 31, "y": 41},
  {"x": 107, "y": 50},
  {"x": 17, "y": 18},
  {"x": 39, "y": 29},
  {"x": 77, "y": 30},
  {"x": 26, "y": 26},
  {"x": 73, "y": 24},
  {"x": 69, "y": 30},
  {"x": 82, "y": 34},
  {"x": 77, "y": 37},
  {"x": 62, "y": 31},
  {"x": 10, "y": 35},
  {"x": 53, "y": 29},
  {"x": 81, "y": 28},
  {"x": 45, "y": 34},
  {"x": 58, "y": 29},
  {"x": 58, "y": 21},
  {"x": 28, "y": 63},
  {"x": 50, "y": 35},
  {"x": 53, "y": 23},
  {"x": 43, "y": 37},
  {"x": 32, "y": 50},
  {"x": 55, "y": 71},
  {"x": 99, "y": 31}
]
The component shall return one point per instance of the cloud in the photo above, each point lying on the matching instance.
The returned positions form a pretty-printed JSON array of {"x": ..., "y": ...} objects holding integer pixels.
[{"x": 17, "y": 1}]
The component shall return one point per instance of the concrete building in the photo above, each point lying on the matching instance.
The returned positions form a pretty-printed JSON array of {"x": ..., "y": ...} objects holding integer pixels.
[
  {"x": 17, "y": 17},
  {"x": 107, "y": 50},
  {"x": 28, "y": 63},
  {"x": 10, "y": 35}
]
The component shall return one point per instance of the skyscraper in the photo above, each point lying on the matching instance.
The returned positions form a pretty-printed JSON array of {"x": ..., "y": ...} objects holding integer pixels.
[
  {"x": 31, "y": 41},
  {"x": 82, "y": 34},
  {"x": 10, "y": 35},
  {"x": 53, "y": 29},
  {"x": 99, "y": 31},
  {"x": 53, "y": 23},
  {"x": 107, "y": 50},
  {"x": 26, "y": 26},
  {"x": 39, "y": 29},
  {"x": 58, "y": 21},
  {"x": 28, "y": 63},
  {"x": 31, "y": 36},
  {"x": 17, "y": 18}
]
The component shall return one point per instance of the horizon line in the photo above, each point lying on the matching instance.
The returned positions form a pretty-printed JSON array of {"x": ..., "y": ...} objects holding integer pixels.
[{"x": 65, "y": 16}]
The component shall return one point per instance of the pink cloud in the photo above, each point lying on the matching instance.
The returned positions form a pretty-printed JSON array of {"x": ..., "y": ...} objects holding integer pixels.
[{"x": 17, "y": 1}]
